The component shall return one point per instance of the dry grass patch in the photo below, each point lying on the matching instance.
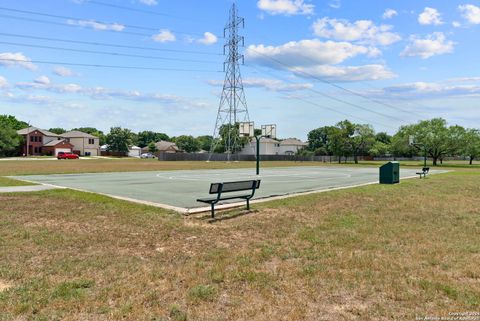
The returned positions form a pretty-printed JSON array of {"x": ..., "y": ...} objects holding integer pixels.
[
  {"x": 370, "y": 253},
  {"x": 13, "y": 182}
]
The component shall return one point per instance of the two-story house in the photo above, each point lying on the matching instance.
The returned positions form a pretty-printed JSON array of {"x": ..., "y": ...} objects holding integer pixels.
[
  {"x": 40, "y": 142},
  {"x": 83, "y": 144},
  {"x": 269, "y": 146}
]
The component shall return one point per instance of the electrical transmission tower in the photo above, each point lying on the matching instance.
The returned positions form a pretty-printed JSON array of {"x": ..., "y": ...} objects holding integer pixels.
[{"x": 233, "y": 104}]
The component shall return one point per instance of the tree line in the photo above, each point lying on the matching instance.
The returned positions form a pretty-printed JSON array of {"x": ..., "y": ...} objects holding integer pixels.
[
  {"x": 432, "y": 137},
  {"x": 345, "y": 139},
  {"x": 118, "y": 139}
]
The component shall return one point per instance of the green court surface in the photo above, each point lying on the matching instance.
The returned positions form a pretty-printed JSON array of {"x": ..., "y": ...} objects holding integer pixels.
[{"x": 179, "y": 190}]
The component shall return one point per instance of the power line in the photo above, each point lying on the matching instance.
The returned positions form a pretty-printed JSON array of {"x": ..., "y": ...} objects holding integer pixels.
[
  {"x": 107, "y": 44},
  {"x": 63, "y": 24},
  {"x": 103, "y": 66},
  {"x": 105, "y": 52},
  {"x": 346, "y": 89},
  {"x": 318, "y": 105},
  {"x": 84, "y": 19},
  {"x": 150, "y": 12},
  {"x": 332, "y": 97}
]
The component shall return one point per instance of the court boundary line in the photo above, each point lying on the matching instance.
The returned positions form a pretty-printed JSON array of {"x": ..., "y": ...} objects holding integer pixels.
[{"x": 197, "y": 210}]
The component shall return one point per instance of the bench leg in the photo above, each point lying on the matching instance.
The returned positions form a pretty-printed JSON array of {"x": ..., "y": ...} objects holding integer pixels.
[
  {"x": 248, "y": 204},
  {"x": 213, "y": 210}
]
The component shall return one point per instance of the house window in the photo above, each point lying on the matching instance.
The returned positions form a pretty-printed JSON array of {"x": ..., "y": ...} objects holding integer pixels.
[{"x": 91, "y": 141}]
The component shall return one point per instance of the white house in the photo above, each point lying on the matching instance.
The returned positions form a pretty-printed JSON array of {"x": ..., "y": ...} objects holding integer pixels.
[
  {"x": 291, "y": 146},
  {"x": 134, "y": 151},
  {"x": 269, "y": 146}
]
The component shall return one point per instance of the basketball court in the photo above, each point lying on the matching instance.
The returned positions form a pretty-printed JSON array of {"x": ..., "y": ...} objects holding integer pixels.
[{"x": 179, "y": 190}]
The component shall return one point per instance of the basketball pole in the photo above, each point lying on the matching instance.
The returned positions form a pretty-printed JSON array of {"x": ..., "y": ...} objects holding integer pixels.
[{"x": 258, "y": 154}]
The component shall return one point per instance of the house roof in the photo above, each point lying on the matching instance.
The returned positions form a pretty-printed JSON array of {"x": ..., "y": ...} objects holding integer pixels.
[
  {"x": 164, "y": 145},
  {"x": 54, "y": 143},
  {"x": 293, "y": 141},
  {"x": 266, "y": 140},
  {"x": 28, "y": 130},
  {"x": 77, "y": 134}
]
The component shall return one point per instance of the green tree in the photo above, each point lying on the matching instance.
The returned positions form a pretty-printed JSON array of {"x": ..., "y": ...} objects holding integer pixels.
[
  {"x": 187, "y": 143},
  {"x": 319, "y": 139},
  {"x": 383, "y": 137},
  {"x": 379, "y": 149},
  {"x": 399, "y": 145},
  {"x": 434, "y": 136},
  {"x": 205, "y": 142},
  {"x": 12, "y": 122},
  {"x": 95, "y": 132},
  {"x": 119, "y": 139},
  {"x": 230, "y": 135},
  {"x": 57, "y": 131},
  {"x": 471, "y": 147},
  {"x": 152, "y": 148},
  {"x": 362, "y": 139},
  {"x": 146, "y": 137},
  {"x": 9, "y": 141}
]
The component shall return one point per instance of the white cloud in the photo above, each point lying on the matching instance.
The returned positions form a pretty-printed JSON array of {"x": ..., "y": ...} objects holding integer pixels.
[
  {"x": 346, "y": 73},
  {"x": 456, "y": 24},
  {"x": 430, "y": 89},
  {"x": 43, "y": 80},
  {"x": 389, "y": 14},
  {"x": 269, "y": 84},
  {"x": 434, "y": 44},
  {"x": 11, "y": 59},
  {"x": 470, "y": 12},
  {"x": 208, "y": 39},
  {"x": 3, "y": 82},
  {"x": 63, "y": 72},
  {"x": 464, "y": 79},
  {"x": 430, "y": 16},
  {"x": 335, "y": 4},
  {"x": 164, "y": 36},
  {"x": 314, "y": 57},
  {"x": 97, "y": 25},
  {"x": 44, "y": 83},
  {"x": 304, "y": 53},
  {"x": 149, "y": 2},
  {"x": 286, "y": 7},
  {"x": 363, "y": 31}
]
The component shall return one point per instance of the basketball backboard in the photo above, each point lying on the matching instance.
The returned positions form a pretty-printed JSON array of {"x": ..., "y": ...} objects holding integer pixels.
[
  {"x": 269, "y": 131},
  {"x": 411, "y": 140},
  {"x": 246, "y": 129}
]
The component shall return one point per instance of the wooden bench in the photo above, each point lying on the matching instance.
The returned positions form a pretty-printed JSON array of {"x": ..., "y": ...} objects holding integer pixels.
[
  {"x": 424, "y": 172},
  {"x": 220, "y": 189}
]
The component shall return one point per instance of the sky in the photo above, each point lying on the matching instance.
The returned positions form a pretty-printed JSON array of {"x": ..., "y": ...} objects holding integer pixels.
[{"x": 158, "y": 64}]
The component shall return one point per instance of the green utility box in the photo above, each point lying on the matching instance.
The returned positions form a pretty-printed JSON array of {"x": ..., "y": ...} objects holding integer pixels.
[{"x": 390, "y": 173}]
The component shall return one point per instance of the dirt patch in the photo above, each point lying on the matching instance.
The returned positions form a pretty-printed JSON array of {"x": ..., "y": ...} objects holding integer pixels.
[{"x": 4, "y": 286}]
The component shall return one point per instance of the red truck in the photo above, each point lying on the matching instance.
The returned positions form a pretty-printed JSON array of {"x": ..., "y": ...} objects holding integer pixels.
[{"x": 63, "y": 155}]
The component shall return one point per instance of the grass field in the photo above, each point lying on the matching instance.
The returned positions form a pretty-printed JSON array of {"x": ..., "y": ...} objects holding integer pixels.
[
  {"x": 12, "y": 168},
  {"x": 12, "y": 182},
  {"x": 370, "y": 253}
]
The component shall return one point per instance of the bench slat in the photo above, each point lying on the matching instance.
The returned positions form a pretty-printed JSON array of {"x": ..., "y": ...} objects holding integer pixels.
[{"x": 228, "y": 187}]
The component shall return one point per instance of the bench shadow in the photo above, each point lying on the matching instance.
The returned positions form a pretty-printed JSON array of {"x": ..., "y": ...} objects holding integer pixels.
[{"x": 224, "y": 215}]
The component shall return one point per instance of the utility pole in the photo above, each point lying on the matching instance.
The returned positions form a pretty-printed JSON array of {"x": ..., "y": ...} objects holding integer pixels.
[{"x": 233, "y": 104}]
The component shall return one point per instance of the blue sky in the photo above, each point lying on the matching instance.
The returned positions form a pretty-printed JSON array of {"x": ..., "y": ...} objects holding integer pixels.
[{"x": 307, "y": 63}]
